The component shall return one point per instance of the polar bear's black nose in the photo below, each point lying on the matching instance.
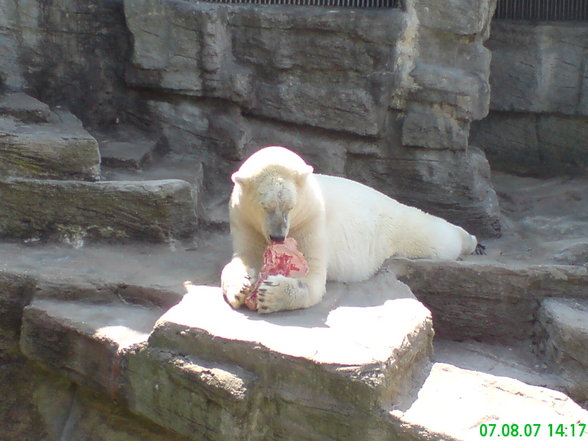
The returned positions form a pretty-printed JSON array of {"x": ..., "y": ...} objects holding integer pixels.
[{"x": 277, "y": 238}]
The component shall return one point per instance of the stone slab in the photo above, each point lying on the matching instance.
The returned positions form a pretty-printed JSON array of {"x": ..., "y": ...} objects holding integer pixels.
[
  {"x": 58, "y": 149},
  {"x": 24, "y": 108},
  {"x": 468, "y": 299},
  {"x": 210, "y": 371},
  {"x": 518, "y": 361},
  {"x": 453, "y": 403},
  {"x": 73, "y": 211},
  {"x": 124, "y": 154},
  {"x": 85, "y": 341},
  {"x": 364, "y": 343},
  {"x": 144, "y": 273}
]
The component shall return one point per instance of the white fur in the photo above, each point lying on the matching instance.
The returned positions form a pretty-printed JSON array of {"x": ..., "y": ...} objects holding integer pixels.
[{"x": 344, "y": 229}]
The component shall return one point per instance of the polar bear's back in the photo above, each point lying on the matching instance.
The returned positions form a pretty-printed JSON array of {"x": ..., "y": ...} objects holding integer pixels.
[
  {"x": 365, "y": 227},
  {"x": 352, "y": 216}
]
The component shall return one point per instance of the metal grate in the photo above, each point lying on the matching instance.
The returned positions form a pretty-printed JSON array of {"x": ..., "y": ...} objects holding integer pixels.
[
  {"x": 363, "y": 4},
  {"x": 542, "y": 10}
]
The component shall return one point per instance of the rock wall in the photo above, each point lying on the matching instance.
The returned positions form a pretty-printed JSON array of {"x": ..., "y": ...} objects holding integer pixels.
[
  {"x": 69, "y": 53},
  {"x": 385, "y": 97},
  {"x": 539, "y": 79}
]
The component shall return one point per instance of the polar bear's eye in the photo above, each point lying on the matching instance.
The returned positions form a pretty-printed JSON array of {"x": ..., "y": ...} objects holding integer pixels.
[{"x": 268, "y": 204}]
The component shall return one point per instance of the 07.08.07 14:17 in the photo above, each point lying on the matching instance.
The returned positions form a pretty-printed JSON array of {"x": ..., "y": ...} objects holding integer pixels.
[{"x": 514, "y": 430}]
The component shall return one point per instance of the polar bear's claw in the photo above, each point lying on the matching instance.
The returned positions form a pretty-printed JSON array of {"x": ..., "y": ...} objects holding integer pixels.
[{"x": 236, "y": 289}]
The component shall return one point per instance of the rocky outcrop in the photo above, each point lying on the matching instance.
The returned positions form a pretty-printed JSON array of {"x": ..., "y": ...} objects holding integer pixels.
[
  {"x": 197, "y": 377},
  {"x": 103, "y": 343},
  {"x": 46, "y": 161},
  {"x": 539, "y": 107},
  {"x": 352, "y": 91}
]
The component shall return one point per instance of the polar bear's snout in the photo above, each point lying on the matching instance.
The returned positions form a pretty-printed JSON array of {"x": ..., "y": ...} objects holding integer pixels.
[{"x": 277, "y": 225}]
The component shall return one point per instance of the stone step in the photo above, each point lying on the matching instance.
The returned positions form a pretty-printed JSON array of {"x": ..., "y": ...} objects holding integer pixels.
[
  {"x": 468, "y": 298},
  {"x": 126, "y": 147},
  {"x": 562, "y": 332},
  {"x": 213, "y": 203},
  {"x": 59, "y": 148},
  {"x": 73, "y": 211},
  {"x": 457, "y": 404},
  {"x": 517, "y": 361},
  {"x": 24, "y": 108},
  {"x": 85, "y": 341},
  {"x": 136, "y": 266}
]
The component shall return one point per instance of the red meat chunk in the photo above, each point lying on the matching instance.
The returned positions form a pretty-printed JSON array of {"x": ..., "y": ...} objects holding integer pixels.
[{"x": 279, "y": 258}]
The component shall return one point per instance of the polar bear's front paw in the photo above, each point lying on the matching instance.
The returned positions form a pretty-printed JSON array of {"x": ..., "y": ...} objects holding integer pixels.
[
  {"x": 235, "y": 293},
  {"x": 278, "y": 293},
  {"x": 236, "y": 286}
]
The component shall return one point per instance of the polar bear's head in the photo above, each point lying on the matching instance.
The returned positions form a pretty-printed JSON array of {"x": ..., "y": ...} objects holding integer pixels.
[{"x": 267, "y": 188}]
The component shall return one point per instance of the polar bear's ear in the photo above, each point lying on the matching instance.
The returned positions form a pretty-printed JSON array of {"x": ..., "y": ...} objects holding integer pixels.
[
  {"x": 237, "y": 178},
  {"x": 304, "y": 173}
]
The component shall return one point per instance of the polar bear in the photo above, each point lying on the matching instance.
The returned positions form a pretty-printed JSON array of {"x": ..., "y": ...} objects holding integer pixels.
[{"x": 344, "y": 229}]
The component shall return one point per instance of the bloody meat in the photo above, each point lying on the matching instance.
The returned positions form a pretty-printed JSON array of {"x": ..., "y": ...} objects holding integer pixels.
[{"x": 279, "y": 258}]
